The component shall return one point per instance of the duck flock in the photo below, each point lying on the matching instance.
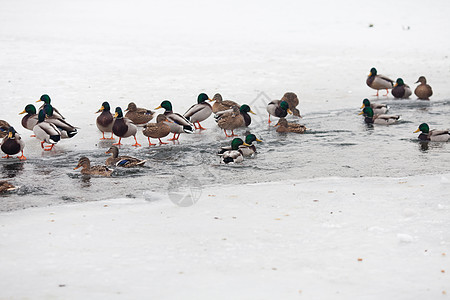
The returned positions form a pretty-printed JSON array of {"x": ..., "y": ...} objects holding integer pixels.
[{"x": 50, "y": 127}]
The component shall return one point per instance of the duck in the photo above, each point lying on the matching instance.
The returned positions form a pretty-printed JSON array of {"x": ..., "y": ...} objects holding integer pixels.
[
  {"x": 179, "y": 124},
  {"x": 238, "y": 117},
  {"x": 138, "y": 115},
  {"x": 401, "y": 90},
  {"x": 248, "y": 150},
  {"x": 234, "y": 155},
  {"x": 221, "y": 105},
  {"x": 432, "y": 135},
  {"x": 105, "y": 120},
  {"x": 200, "y": 111},
  {"x": 284, "y": 126},
  {"x": 157, "y": 130},
  {"x": 46, "y": 99},
  {"x": 278, "y": 108},
  {"x": 371, "y": 118},
  {"x": 87, "y": 169},
  {"x": 67, "y": 131},
  {"x": 5, "y": 186},
  {"x": 122, "y": 161},
  {"x": 378, "y": 109},
  {"x": 292, "y": 99},
  {"x": 379, "y": 82},
  {"x": 123, "y": 127},
  {"x": 4, "y": 126},
  {"x": 31, "y": 118},
  {"x": 12, "y": 144},
  {"x": 423, "y": 91},
  {"x": 46, "y": 132}
]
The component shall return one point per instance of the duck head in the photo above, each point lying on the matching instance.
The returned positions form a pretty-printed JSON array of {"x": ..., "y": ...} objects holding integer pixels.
[
  {"x": 29, "y": 109},
  {"x": 424, "y": 128},
  {"x": 44, "y": 98},
  {"x": 202, "y": 98},
  {"x": 105, "y": 107},
  {"x": 119, "y": 113},
  {"x": 166, "y": 105},
  {"x": 245, "y": 108},
  {"x": 366, "y": 103}
]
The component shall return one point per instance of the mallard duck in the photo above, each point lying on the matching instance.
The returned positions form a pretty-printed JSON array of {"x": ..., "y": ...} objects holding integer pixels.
[
  {"x": 284, "y": 126},
  {"x": 292, "y": 100},
  {"x": 238, "y": 117},
  {"x": 221, "y": 105},
  {"x": 46, "y": 99},
  {"x": 246, "y": 150},
  {"x": 31, "y": 118},
  {"x": 157, "y": 130},
  {"x": 87, "y": 169},
  {"x": 371, "y": 118},
  {"x": 6, "y": 186},
  {"x": 200, "y": 111},
  {"x": 235, "y": 154},
  {"x": 4, "y": 126},
  {"x": 378, "y": 109},
  {"x": 105, "y": 120},
  {"x": 122, "y": 161},
  {"x": 278, "y": 108},
  {"x": 179, "y": 123},
  {"x": 423, "y": 91},
  {"x": 67, "y": 130},
  {"x": 432, "y": 135},
  {"x": 379, "y": 82},
  {"x": 123, "y": 127},
  {"x": 138, "y": 115},
  {"x": 46, "y": 132},
  {"x": 401, "y": 90},
  {"x": 12, "y": 144}
]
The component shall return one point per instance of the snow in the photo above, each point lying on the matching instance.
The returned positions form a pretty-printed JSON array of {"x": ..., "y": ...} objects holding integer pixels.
[{"x": 341, "y": 238}]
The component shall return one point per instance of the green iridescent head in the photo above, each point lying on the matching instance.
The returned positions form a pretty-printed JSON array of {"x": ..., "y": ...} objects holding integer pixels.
[
  {"x": 166, "y": 105},
  {"x": 235, "y": 143},
  {"x": 202, "y": 98},
  {"x": 41, "y": 116},
  {"x": 106, "y": 106},
  {"x": 119, "y": 113},
  {"x": 366, "y": 103},
  {"x": 250, "y": 138},
  {"x": 48, "y": 110},
  {"x": 284, "y": 105},
  {"x": 373, "y": 72},
  {"x": 29, "y": 109},
  {"x": 424, "y": 128},
  {"x": 45, "y": 98},
  {"x": 399, "y": 82}
]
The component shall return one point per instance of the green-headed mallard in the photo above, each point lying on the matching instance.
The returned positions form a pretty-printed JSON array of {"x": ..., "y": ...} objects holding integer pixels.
[
  {"x": 379, "y": 82},
  {"x": 423, "y": 91},
  {"x": 230, "y": 120},
  {"x": 371, "y": 118},
  {"x": 221, "y": 105},
  {"x": 46, "y": 132},
  {"x": 122, "y": 161},
  {"x": 66, "y": 130},
  {"x": 432, "y": 135},
  {"x": 105, "y": 120},
  {"x": 31, "y": 118},
  {"x": 4, "y": 126},
  {"x": 87, "y": 169},
  {"x": 12, "y": 144},
  {"x": 284, "y": 126},
  {"x": 179, "y": 124},
  {"x": 235, "y": 154},
  {"x": 123, "y": 127},
  {"x": 378, "y": 109},
  {"x": 401, "y": 90},
  {"x": 46, "y": 99},
  {"x": 292, "y": 99},
  {"x": 200, "y": 111},
  {"x": 157, "y": 130},
  {"x": 5, "y": 186},
  {"x": 138, "y": 115},
  {"x": 278, "y": 108},
  {"x": 247, "y": 150}
]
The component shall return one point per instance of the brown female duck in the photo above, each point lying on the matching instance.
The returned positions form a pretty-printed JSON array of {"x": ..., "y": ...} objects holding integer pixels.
[
  {"x": 122, "y": 161},
  {"x": 87, "y": 169},
  {"x": 138, "y": 115},
  {"x": 157, "y": 130}
]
